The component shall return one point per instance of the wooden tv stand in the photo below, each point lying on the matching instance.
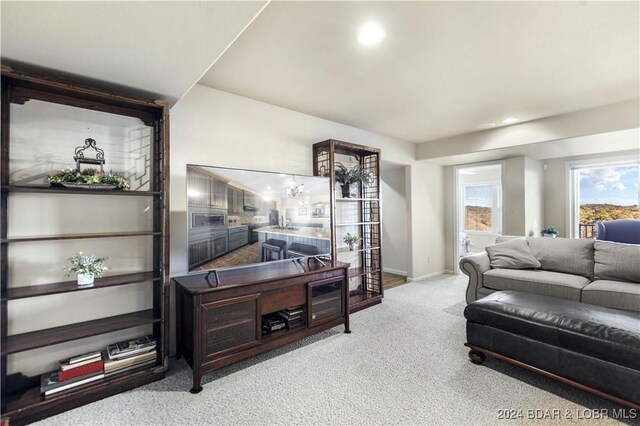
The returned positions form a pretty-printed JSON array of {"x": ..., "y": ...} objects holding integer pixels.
[{"x": 220, "y": 313}]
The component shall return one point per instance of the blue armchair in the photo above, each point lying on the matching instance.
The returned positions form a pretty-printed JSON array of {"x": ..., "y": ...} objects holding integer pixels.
[{"x": 619, "y": 231}]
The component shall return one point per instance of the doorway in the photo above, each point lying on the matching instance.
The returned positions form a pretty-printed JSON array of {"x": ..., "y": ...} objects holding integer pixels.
[{"x": 478, "y": 208}]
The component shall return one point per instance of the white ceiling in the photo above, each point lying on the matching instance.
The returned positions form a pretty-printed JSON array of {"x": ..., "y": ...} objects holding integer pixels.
[
  {"x": 444, "y": 68},
  {"x": 159, "y": 49}
]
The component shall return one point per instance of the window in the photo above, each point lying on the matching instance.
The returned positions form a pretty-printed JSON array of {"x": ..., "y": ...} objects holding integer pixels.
[
  {"x": 481, "y": 203},
  {"x": 602, "y": 190}
]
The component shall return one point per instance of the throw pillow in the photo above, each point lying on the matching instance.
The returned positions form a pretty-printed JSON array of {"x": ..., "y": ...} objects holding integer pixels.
[{"x": 512, "y": 254}]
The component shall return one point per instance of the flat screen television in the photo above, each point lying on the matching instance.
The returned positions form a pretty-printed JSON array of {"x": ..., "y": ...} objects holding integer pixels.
[{"x": 239, "y": 217}]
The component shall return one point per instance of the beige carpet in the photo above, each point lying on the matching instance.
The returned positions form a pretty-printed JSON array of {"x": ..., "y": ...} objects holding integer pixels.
[{"x": 403, "y": 363}]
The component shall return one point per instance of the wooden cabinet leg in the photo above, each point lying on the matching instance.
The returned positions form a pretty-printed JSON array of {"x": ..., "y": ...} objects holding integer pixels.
[{"x": 197, "y": 386}]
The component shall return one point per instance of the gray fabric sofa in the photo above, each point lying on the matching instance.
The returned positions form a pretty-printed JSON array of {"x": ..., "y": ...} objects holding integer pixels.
[{"x": 596, "y": 272}]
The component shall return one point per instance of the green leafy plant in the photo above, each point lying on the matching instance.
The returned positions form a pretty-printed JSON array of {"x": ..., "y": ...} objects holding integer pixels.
[
  {"x": 352, "y": 239},
  {"x": 88, "y": 265},
  {"x": 549, "y": 230},
  {"x": 355, "y": 174},
  {"x": 89, "y": 176}
]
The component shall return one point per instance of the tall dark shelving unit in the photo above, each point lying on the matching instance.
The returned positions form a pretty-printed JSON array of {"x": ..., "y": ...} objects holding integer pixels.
[
  {"x": 22, "y": 401},
  {"x": 360, "y": 214}
]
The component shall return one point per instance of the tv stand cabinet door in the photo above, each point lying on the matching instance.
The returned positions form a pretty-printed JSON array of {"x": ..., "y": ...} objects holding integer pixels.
[
  {"x": 230, "y": 325},
  {"x": 325, "y": 300}
]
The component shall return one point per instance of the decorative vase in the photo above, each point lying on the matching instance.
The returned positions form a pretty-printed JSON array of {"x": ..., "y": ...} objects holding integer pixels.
[
  {"x": 85, "y": 279},
  {"x": 549, "y": 235},
  {"x": 346, "y": 190},
  {"x": 350, "y": 247}
]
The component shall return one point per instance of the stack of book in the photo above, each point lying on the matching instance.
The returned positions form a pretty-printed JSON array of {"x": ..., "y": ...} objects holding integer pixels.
[
  {"x": 292, "y": 317},
  {"x": 129, "y": 355},
  {"x": 73, "y": 372}
]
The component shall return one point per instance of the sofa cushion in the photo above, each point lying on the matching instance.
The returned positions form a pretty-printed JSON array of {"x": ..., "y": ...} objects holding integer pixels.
[
  {"x": 512, "y": 254},
  {"x": 617, "y": 262},
  {"x": 547, "y": 283},
  {"x": 568, "y": 255},
  {"x": 613, "y": 294}
]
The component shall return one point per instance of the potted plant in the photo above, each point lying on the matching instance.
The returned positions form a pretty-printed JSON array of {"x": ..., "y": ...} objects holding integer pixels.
[
  {"x": 88, "y": 178},
  {"x": 346, "y": 177},
  {"x": 549, "y": 232},
  {"x": 86, "y": 267},
  {"x": 352, "y": 240}
]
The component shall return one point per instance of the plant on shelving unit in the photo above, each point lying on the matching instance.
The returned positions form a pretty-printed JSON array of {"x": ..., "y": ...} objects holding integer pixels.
[
  {"x": 549, "y": 232},
  {"x": 352, "y": 240},
  {"x": 346, "y": 176},
  {"x": 90, "y": 177},
  {"x": 86, "y": 267}
]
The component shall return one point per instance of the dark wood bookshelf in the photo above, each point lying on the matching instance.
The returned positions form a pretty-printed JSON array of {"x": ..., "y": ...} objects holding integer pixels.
[
  {"x": 66, "y": 333},
  {"x": 363, "y": 217},
  {"x": 46, "y": 189},
  {"x": 28, "y": 405},
  {"x": 22, "y": 402},
  {"x": 79, "y": 236},
  {"x": 71, "y": 286}
]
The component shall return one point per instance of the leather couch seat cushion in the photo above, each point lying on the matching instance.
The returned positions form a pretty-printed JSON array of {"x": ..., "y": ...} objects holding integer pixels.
[
  {"x": 568, "y": 255},
  {"x": 613, "y": 294},
  {"x": 548, "y": 283},
  {"x": 608, "y": 334},
  {"x": 617, "y": 262}
]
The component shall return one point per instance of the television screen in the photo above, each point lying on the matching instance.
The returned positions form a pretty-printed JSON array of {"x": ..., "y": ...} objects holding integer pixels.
[{"x": 238, "y": 217}]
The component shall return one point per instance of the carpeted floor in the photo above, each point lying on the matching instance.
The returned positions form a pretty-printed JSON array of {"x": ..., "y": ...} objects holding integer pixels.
[{"x": 404, "y": 363}]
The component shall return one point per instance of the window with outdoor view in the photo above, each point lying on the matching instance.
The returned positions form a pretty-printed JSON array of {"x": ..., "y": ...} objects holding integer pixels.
[
  {"x": 604, "y": 192},
  {"x": 481, "y": 209}
]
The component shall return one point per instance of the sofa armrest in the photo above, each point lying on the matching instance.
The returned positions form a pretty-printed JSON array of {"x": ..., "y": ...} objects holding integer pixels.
[{"x": 474, "y": 266}]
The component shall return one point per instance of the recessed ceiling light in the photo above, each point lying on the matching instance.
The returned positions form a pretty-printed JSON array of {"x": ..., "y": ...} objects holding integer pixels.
[
  {"x": 485, "y": 126},
  {"x": 510, "y": 120},
  {"x": 371, "y": 34}
]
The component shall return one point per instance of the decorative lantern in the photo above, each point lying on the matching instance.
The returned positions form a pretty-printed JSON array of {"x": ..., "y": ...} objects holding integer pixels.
[{"x": 80, "y": 158}]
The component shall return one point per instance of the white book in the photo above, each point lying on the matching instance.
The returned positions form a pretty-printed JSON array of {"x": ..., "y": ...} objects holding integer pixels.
[{"x": 74, "y": 384}]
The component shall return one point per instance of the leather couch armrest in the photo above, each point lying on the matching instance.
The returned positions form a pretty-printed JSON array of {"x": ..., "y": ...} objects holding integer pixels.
[{"x": 474, "y": 266}]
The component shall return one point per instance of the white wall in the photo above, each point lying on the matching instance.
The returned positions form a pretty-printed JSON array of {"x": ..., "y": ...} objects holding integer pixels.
[
  {"x": 212, "y": 127},
  {"x": 395, "y": 244},
  {"x": 426, "y": 223},
  {"x": 533, "y": 197}
]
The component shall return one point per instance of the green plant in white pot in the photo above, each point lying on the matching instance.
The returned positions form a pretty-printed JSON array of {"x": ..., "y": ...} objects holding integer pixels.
[
  {"x": 549, "y": 232},
  {"x": 352, "y": 240},
  {"x": 86, "y": 268}
]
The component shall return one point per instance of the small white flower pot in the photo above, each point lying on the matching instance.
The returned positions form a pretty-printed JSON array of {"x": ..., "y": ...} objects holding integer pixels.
[
  {"x": 85, "y": 279},
  {"x": 549, "y": 235}
]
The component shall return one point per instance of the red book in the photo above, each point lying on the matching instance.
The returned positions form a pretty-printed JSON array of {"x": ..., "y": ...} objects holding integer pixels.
[{"x": 81, "y": 370}]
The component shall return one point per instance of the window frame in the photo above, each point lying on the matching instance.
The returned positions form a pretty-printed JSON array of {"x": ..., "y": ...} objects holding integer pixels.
[{"x": 572, "y": 195}]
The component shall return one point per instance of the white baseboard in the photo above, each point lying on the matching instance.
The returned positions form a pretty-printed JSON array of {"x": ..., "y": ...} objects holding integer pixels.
[
  {"x": 431, "y": 275},
  {"x": 395, "y": 271}
]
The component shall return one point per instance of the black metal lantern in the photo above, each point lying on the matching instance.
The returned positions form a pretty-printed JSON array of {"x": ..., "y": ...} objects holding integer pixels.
[{"x": 80, "y": 158}]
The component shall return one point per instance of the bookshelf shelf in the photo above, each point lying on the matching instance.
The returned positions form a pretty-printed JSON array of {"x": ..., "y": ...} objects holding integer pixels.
[
  {"x": 352, "y": 200},
  {"x": 22, "y": 401},
  {"x": 45, "y": 189},
  {"x": 79, "y": 236},
  {"x": 52, "y": 336},
  {"x": 357, "y": 272},
  {"x": 30, "y": 402},
  {"x": 71, "y": 286},
  {"x": 357, "y": 223},
  {"x": 342, "y": 250}
]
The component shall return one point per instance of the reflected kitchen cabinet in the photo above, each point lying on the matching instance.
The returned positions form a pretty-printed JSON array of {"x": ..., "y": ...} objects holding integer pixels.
[
  {"x": 235, "y": 200},
  {"x": 203, "y": 190}
]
